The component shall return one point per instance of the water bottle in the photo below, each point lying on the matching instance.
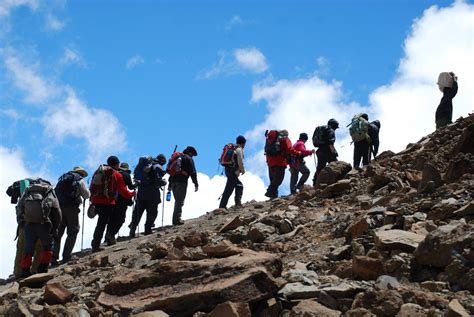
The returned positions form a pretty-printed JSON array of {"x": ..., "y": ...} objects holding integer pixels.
[{"x": 168, "y": 196}]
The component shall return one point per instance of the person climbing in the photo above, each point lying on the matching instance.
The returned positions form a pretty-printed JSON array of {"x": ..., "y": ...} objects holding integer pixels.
[
  {"x": 39, "y": 213},
  {"x": 359, "y": 131},
  {"x": 277, "y": 149},
  {"x": 70, "y": 190},
  {"x": 324, "y": 138},
  {"x": 448, "y": 84},
  {"x": 232, "y": 159},
  {"x": 106, "y": 183},
  {"x": 374, "y": 129},
  {"x": 180, "y": 168},
  {"x": 298, "y": 165},
  {"x": 149, "y": 195}
]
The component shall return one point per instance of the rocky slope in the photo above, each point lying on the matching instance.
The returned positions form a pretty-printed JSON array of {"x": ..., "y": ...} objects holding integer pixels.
[{"x": 393, "y": 239}]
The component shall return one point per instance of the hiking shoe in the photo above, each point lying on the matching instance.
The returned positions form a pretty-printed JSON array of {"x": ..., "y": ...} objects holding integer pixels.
[
  {"x": 178, "y": 223},
  {"x": 97, "y": 249},
  {"x": 55, "y": 262},
  {"x": 43, "y": 268},
  {"x": 25, "y": 273}
]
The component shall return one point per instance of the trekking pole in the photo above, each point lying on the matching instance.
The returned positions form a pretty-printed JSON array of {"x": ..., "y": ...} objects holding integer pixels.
[
  {"x": 163, "y": 207},
  {"x": 83, "y": 212},
  {"x": 314, "y": 157}
]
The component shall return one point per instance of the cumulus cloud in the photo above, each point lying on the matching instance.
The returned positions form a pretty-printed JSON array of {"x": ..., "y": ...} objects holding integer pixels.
[
  {"x": 134, "y": 61},
  {"x": 241, "y": 60},
  {"x": 7, "y": 6}
]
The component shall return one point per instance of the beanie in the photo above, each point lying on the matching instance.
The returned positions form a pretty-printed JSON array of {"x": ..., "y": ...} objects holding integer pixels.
[
  {"x": 190, "y": 151},
  {"x": 161, "y": 159},
  {"x": 303, "y": 136},
  {"x": 241, "y": 140},
  {"x": 113, "y": 160}
]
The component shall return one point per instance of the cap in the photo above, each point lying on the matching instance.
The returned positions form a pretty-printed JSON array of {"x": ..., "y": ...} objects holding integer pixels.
[{"x": 80, "y": 170}]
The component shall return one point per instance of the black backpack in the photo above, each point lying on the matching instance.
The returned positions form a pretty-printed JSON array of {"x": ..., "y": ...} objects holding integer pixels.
[
  {"x": 142, "y": 171},
  {"x": 67, "y": 189},
  {"x": 273, "y": 141},
  {"x": 320, "y": 136}
]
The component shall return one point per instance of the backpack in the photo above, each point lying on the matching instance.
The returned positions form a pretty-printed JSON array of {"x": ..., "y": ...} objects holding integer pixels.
[
  {"x": 174, "y": 166},
  {"x": 228, "y": 155},
  {"x": 273, "y": 142},
  {"x": 320, "y": 136},
  {"x": 143, "y": 169},
  {"x": 103, "y": 183},
  {"x": 38, "y": 199},
  {"x": 359, "y": 128},
  {"x": 67, "y": 188}
]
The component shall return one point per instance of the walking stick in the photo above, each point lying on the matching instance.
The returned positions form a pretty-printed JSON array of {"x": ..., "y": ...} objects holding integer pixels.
[
  {"x": 163, "y": 207},
  {"x": 314, "y": 157},
  {"x": 83, "y": 212}
]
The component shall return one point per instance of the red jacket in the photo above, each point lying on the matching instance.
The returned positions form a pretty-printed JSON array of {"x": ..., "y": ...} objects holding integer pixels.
[
  {"x": 282, "y": 159},
  {"x": 122, "y": 189},
  {"x": 299, "y": 146}
]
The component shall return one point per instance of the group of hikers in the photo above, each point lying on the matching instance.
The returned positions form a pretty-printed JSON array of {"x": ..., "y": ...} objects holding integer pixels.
[{"x": 45, "y": 213}]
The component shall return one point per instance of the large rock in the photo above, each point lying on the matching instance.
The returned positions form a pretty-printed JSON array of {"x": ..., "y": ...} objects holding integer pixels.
[
  {"x": 379, "y": 302},
  {"x": 461, "y": 164},
  {"x": 439, "y": 245},
  {"x": 233, "y": 224},
  {"x": 36, "y": 280},
  {"x": 455, "y": 309},
  {"x": 311, "y": 308},
  {"x": 465, "y": 210},
  {"x": 221, "y": 250},
  {"x": 366, "y": 268},
  {"x": 336, "y": 189},
  {"x": 185, "y": 287},
  {"x": 299, "y": 291},
  {"x": 9, "y": 291},
  {"x": 397, "y": 240},
  {"x": 56, "y": 293},
  {"x": 412, "y": 310},
  {"x": 333, "y": 172},
  {"x": 357, "y": 228},
  {"x": 431, "y": 179}
]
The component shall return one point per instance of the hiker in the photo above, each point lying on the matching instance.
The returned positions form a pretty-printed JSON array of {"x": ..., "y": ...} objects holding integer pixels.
[
  {"x": 448, "y": 84},
  {"x": 71, "y": 189},
  {"x": 232, "y": 159},
  {"x": 15, "y": 191},
  {"x": 277, "y": 149},
  {"x": 324, "y": 138},
  {"x": 298, "y": 165},
  {"x": 374, "y": 129},
  {"x": 117, "y": 218},
  {"x": 105, "y": 184},
  {"x": 148, "y": 196},
  {"x": 181, "y": 167},
  {"x": 39, "y": 214},
  {"x": 359, "y": 131}
]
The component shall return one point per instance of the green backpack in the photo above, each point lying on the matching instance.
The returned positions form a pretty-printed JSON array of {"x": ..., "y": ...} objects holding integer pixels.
[{"x": 359, "y": 128}]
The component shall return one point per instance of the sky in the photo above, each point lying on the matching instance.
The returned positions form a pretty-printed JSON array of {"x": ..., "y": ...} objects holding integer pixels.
[{"x": 82, "y": 80}]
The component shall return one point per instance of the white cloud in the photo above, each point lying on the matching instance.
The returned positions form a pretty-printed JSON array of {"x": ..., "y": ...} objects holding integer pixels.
[
  {"x": 6, "y": 6},
  {"x": 11, "y": 113},
  {"x": 233, "y": 22},
  {"x": 322, "y": 61},
  {"x": 72, "y": 56},
  {"x": 134, "y": 61},
  {"x": 53, "y": 23},
  {"x": 251, "y": 59},
  {"x": 241, "y": 60}
]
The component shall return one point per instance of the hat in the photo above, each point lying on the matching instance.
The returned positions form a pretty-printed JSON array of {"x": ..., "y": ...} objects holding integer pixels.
[
  {"x": 241, "y": 140},
  {"x": 303, "y": 136},
  {"x": 365, "y": 116},
  {"x": 124, "y": 167},
  {"x": 80, "y": 170},
  {"x": 113, "y": 160},
  {"x": 190, "y": 151},
  {"x": 161, "y": 159},
  {"x": 333, "y": 123}
]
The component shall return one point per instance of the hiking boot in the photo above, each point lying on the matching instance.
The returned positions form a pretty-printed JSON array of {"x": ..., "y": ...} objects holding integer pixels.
[
  {"x": 97, "y": 249},
  {"x": 178, "y": 222},
  {"x": 43, "y": 268},
  {"x": 111, "y": 241},
  {"x": 55, "y": 262},
  {"x": 25, "y": 273}
]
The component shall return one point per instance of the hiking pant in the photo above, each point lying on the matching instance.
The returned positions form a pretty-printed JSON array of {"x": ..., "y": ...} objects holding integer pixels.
[
  {"x": 69, "y": 222},
  {"x": 276, "y": 174},
  {"x": 117, "y": 218},
  {"x": 324, "y": 157},
  {"x": 295, "y": 171},
  {"x": 151, "y": 207},
  {"x": 232, "y": 183},
  {"x": 33, "y": 233},
  {"x": 179, "y": 193},
  {"x": 20, "y": 251},
  {"x": 361, "y": 151},
  {"x": 104, "y": 213},
  {"x": 442, "y": 122}
]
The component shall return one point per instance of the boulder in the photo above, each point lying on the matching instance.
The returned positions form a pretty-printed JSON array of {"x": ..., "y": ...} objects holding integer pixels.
[
  {"x": 233, "y": 224},
  {"x": 397, "y": 240},
  {"x": 311, "y": 308},
  {"x": 333, "y": 172},
  {"x": 56, "y": 293},
  {"x": 159, "y": 251},
  {"x": 366, "y": 268},
  {"x": 196, "y": 239},
  {"x": 335, "y": 189},
  {"x": 357, "y": 228},
  {"x": 36, "y": 280},
  {"x": 455, "y": 309}
]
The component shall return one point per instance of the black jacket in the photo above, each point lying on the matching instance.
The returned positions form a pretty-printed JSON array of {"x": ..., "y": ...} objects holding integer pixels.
[
  {"x": 187, "y": 165},
  {"x": 374, "y": 137},
  {"x": 151, "y": 190},
  {"x": 128, "y": 181},
  {"x": 445, "y": 108}
]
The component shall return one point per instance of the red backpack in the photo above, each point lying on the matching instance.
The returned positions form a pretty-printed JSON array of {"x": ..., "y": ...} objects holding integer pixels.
[
  {"x": 174, "y": 166},
  {"x": 228, "y": 155},
  {"x": 103, "y": 182}
]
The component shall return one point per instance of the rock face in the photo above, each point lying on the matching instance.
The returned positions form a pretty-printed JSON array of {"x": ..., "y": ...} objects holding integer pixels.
[{"x": 395, "y": 238}]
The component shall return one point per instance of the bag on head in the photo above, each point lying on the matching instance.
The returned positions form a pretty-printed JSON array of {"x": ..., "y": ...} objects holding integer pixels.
[
  {"x": 67, "y": 188},
  {"x": 143, "y": 169},
  {"x": 174, "y": 166},
  {"x": 103, "y": 183},
  {"x": 228, "y": 155},
  {"x": 38, "y": 199},
  {"x": 320, "y": 136},
  {"x": 359, "y": 128},
  {"x": 273, "y": 142}
]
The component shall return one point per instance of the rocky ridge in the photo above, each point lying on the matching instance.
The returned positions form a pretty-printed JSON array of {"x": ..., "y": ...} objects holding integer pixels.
[{"x": 393, "y": 239}]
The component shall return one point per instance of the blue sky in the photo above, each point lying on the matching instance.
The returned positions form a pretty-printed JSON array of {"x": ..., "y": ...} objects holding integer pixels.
[{"x": 81, "y": 80}]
